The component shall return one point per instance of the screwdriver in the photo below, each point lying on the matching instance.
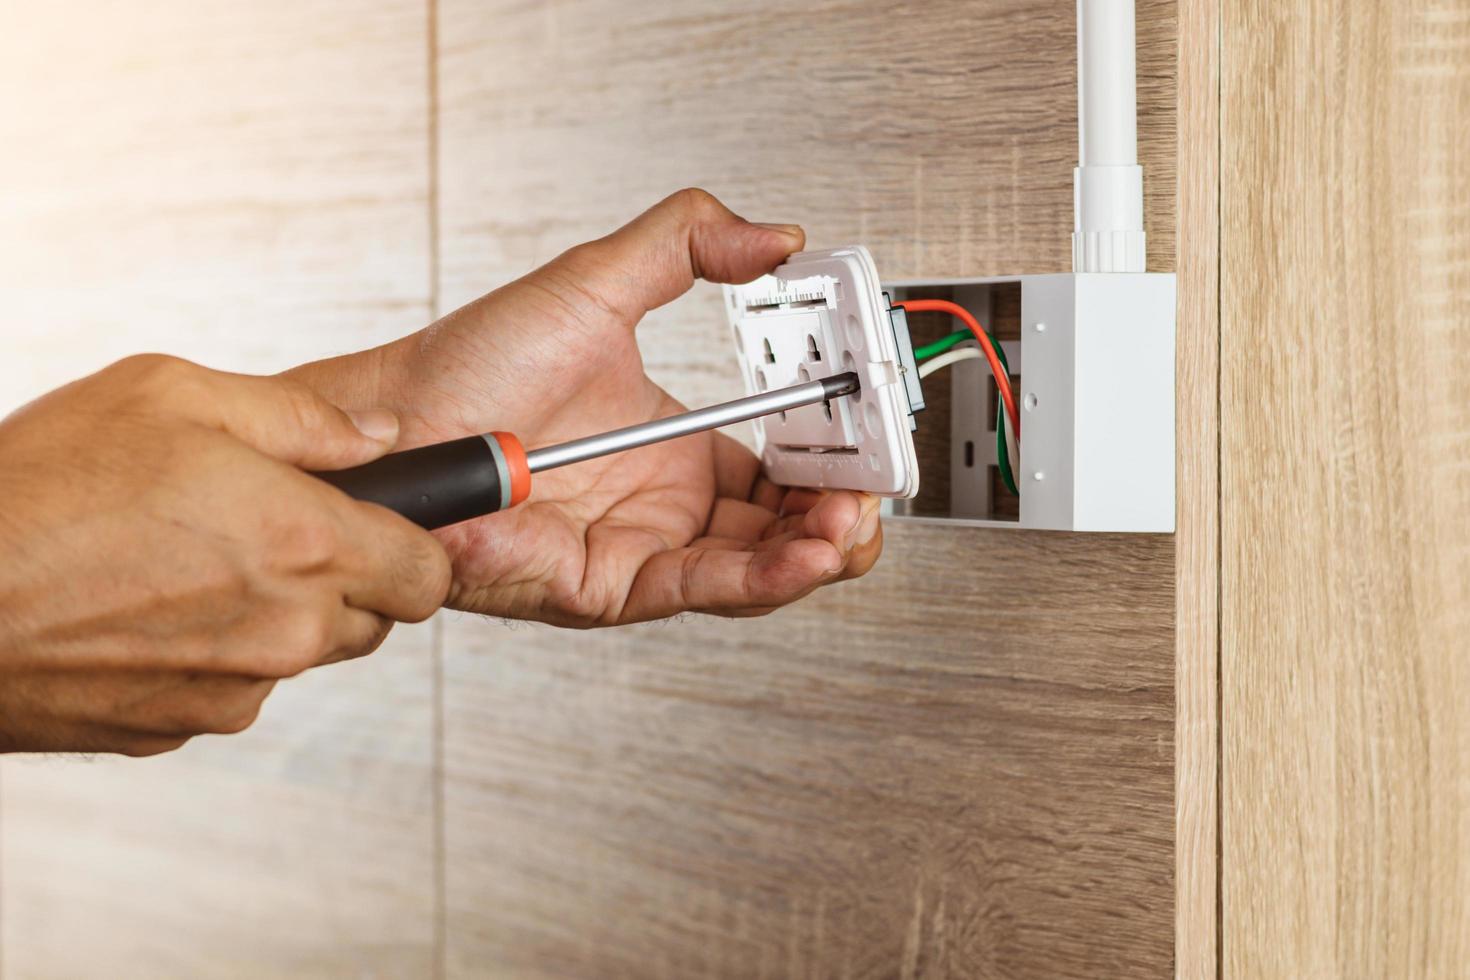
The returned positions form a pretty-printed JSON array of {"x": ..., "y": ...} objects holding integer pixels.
[{"x": 448, "y": 482}]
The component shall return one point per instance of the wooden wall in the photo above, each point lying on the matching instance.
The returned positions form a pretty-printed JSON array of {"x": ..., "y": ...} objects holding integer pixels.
[
  {"x": 1346, "y": 465},
  {"x": 245, "y": 184},
  {"x": 963, "y": 765}
]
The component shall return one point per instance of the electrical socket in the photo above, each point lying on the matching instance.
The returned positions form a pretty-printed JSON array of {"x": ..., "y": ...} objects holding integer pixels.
[{"x": 821, "y": 314}]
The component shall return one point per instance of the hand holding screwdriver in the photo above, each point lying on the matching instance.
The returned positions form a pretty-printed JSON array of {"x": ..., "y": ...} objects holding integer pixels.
[{"x": 689, "y": 524}]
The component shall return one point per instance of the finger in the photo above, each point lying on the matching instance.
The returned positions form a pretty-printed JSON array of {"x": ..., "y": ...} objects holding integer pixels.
[
  {"x": 285, "y": 419},
  {"x": 850, "y": 521},
  {"x": 199, "y": 704},
  {"x": 159, "y": 702},
  {"x": 799, "y": 500},
  {"x": 716, "y": 580},
  {"x": 767, "y": 494},
  {"x": 657, "y": 256},
  {"x": 864, "y": 556},
  {"x": 738, "y": 520},
  {"x": 736, "y": 469},
  {"x": 832, "y": 515},
  {"x": 356, "y": 633},
  {"x": 389, "y": 565}
]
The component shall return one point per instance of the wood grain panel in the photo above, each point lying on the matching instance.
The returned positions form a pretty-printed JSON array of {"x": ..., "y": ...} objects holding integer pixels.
[
  {"x": 1197, "y": 541},
  {"x": 961, "y": 766},
  {"x": 245, "y": 184},
  {"x": 302, "y": 848},
  {"x": 1346, "y": 489}
]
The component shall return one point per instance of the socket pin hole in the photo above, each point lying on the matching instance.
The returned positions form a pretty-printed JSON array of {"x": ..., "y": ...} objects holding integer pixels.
[
  {"x": 760, "y": 380},
  {"x": 969, "y": 454},
  {"x": 827, "y": 408},
  {"x": 812, "y": 354},
  {"x": 770, "y": 354}
]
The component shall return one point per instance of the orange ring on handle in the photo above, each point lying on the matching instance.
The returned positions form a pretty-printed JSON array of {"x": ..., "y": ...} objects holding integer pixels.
[{"x": 515, "y": 463}]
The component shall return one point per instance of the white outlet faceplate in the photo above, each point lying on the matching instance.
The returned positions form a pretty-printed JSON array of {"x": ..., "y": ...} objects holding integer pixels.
[{"x": 820, "y": 314}]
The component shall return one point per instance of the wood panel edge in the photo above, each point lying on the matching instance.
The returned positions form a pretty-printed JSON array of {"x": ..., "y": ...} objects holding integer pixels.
[{"x": 1197, "y": 545}]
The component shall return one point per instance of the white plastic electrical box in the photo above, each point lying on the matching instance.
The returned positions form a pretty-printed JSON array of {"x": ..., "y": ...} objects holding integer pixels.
[
  {"x": 821, "y": 314},
  {"x": 1095, "y": 362}
]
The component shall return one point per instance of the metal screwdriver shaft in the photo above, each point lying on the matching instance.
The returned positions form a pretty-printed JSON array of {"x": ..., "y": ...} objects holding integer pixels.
[
  {"x": 448, "y": 482},
  {"x": 688, "y": 423}
]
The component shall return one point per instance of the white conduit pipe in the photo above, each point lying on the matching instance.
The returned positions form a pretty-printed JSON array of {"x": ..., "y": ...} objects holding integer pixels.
[{"x": 1108, "y": 183}]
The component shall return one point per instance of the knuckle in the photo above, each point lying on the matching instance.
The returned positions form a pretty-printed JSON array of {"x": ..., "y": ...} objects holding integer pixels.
[
  {"x": 303, "y": 639},
  {"x": 370, "y": 644},
  {"x": 160, "y": 377},
  {"x": 145, "y": 367},
  {"x": 306, "y": 544},
  {"x": 696, "y": 203},
  {"x": 236, "y": 723},
  {"x": 306, "y": 409},
  {"x": 142, "y": 748},
  {"x": 585, "y": 608},
  {"x": 432, "y": 577}
]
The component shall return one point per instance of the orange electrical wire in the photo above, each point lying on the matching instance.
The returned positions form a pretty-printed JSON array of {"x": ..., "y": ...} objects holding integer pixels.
[{"x": 1002, "y": 379}]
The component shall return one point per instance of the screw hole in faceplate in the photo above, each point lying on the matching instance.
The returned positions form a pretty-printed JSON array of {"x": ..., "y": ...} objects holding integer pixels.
[{"x": 849, "y": 364}]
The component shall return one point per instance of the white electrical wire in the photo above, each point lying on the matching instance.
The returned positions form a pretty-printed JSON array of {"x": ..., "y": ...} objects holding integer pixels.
[
  {"x": 969, "y": 352},
  {"x": 947, "y": 358}
]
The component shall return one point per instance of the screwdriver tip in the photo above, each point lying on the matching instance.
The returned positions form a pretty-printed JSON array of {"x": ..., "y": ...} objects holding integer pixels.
[{"x": 840, "y": 384}]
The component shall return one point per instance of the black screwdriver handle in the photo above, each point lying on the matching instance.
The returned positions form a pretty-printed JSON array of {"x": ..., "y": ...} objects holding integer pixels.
[{"x": 443, "y": 483}]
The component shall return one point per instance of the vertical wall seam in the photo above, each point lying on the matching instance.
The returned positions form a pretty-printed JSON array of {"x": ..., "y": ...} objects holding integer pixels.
[
  {"x": 436, "y": 629},
  {"x": 1219, "y": 491}
]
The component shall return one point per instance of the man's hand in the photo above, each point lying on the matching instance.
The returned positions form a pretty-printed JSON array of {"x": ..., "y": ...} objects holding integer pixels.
[
  {"x": 685, "y": 525},
  {"x": 166, "y": 560}
]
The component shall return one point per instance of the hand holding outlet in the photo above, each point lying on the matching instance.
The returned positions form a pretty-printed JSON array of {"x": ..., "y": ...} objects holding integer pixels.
[{"x": 685, "y": 525}]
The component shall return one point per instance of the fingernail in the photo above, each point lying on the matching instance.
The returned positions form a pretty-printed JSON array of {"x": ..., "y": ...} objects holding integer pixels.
[
  {"x": 865, "y": 528},
  {"x": 792, "y": 232},
  {"x": 378, "y": 424}
]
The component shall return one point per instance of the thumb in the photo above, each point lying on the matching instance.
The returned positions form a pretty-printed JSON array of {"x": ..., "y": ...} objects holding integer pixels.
[
  {"x": 285, "y": 419},
  {"x": 656, "y": 257}
]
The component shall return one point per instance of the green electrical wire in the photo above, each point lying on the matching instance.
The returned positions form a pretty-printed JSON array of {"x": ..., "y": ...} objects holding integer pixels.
[
  {"x": 1002, "y": 454},
  {"x": 941, "y": 345}
]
